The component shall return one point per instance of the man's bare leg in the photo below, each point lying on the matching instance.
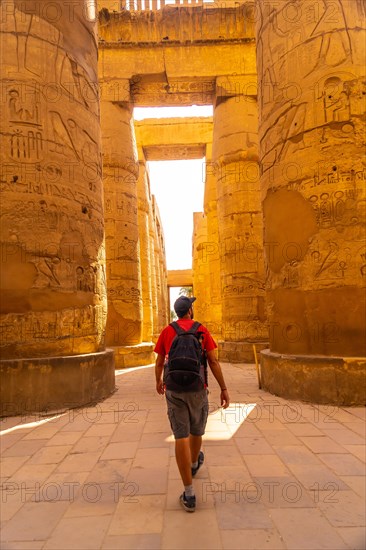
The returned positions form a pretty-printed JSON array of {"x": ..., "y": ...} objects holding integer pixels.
[
  {"x": 183, "y": 458},
  {"x": 195, "y": 442}
]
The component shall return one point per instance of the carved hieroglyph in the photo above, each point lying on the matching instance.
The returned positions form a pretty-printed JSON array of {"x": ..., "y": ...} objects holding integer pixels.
[
  {"x": 52, "y": 263},
  {"x": 311, "y": 68},
  {"x": 235, "y": 156},
  {"x": 120, "y": 174}
]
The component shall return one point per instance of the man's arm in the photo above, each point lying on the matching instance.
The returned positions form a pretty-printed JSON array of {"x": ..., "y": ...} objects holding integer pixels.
[
  {"x": 159, "y": 368},
  {"x": 217, "y": 372}
]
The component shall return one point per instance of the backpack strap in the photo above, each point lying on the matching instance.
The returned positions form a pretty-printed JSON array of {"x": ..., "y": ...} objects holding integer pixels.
[
  {"x": 177, "y": 328},
  {"x": 196, "y": 325}
]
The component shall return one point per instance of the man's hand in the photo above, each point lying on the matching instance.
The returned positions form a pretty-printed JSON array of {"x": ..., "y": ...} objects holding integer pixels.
[
  {"x": 225, "y": 399},
  {"x": 159, "y": 368}
]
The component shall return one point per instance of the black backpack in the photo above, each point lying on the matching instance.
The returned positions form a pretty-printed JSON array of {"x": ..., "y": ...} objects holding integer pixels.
[{"x": 185, "y": 370}]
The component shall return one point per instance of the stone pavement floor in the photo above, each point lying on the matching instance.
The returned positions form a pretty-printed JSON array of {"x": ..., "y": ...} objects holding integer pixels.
[{"x": 277, "y": 475}]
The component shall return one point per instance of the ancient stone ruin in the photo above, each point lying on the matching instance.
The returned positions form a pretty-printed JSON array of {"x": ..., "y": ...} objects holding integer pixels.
[{"x": 279, "y": 258}]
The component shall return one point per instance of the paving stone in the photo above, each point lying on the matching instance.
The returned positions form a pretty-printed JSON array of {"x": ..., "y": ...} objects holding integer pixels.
[
  {"x": 237, "y": 511},
  {"x": 11, "y": 501},
  {"x": 145, "y": 515},
  {"x": 64, "y": 438},
  {"x": 95, "y": 499},
  {"x": 260, "y": 465},
  {"x": 159, "y": 426},
  {"x": 110, "y": 471},
  {"x": 101, "y": 430},
  {"x": 305, "y": 529},
  {"x": 127, "y": 434},
  {"x": 148, "y": 481},
  {"x": 254, "y": 446},
  {"x": 229, "y": 474},
  {"x": 343, "y": 508},
  {"x": 34, "y": 521},
  {"x": 343, "y": 464},
  {"x": 119, "y": 450},
  {"x": 278, "y": 438},
  {"x": 322, "y": 444},
  {"x": 355, "y": 537},
  {"x": 44, "y": 432},
  {"x": 50, "y": 455},
  {"x": 251, "y": 539},
  {"x": 31, "y": 475},
  {"x": 81, "y": 533},
  {"x": 8, "y": 466},
  {"x": 8, "y": 440},
  {"x": 344, "y": 436},
  {"x": 24, "y": 545},
  {"x": 151, "y": 541},
  {"x": 246, "y": 429},
  {"x": 149, "y": 441},
  {"x": 91, "y": 444},
  {"x": 359, "y": 451},
  {"x": 316, "y": 477},
  {"x": 304, "y": 429},
  {"x": 219, "y": 456},
  {"x": 151, "y": 458},
  {"x": 182, "y": 530},
  {"x": 293, "y": 454},
  {"x": 78, "y": 462},
  {"x": 280, "y": 492},
  {"x": 60, "y": 486},
  {"x": 24, "y": 447},
  {"x": 356, "y": 483}
]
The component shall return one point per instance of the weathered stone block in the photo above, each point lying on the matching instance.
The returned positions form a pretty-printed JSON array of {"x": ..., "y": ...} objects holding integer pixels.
[
  {"x": 318, "y": 379},
  {"x": 55, "y": 383}
]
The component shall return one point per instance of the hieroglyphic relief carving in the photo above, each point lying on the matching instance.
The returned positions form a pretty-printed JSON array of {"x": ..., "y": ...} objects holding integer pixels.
[
  {"x": 51, "y": 174},
  {"x": 312, "y": 143}
]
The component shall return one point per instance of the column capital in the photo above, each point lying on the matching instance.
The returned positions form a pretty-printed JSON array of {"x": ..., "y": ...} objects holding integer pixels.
[{"x": 236, "y": 85}]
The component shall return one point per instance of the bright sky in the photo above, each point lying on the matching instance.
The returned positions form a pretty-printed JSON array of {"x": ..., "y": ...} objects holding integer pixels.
[{"x": 179, "y": 189}]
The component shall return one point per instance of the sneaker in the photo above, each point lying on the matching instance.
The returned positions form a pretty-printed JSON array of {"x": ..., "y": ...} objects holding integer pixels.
[
  {"x": 188, "y": 503},
  {"x": 201, "y": 458}
]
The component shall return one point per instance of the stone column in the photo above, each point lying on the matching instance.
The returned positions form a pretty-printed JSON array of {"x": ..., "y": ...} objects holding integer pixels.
[
  {"x": 312, "y": 104},
  {"x": 211, "y": 253},
  {"x": 201, "y": 274},
  {"x": 53, "y": 291},
  {"x": 154, "y": 290},
  {"x": 159, "y": 314},
  {"x": 235, "y": 154},
  {"x": 144, "y": 198},
  {"x": 120, "y": 175}
]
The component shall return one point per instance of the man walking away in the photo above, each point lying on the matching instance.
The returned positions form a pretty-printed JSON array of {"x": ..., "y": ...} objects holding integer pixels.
[{"x": 185, "y": 389}]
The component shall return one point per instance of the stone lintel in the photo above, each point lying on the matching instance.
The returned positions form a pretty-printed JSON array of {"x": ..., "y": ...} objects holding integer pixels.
[
  {"x": 180, "y": 277},
  {"x": 239, "y": 352},
  {"x": 55, "y": 383},
  {"x": 134, "y": 356},
  {"x": 315, "y": 378},
  {"x": 175, "y": 152},
  {"x": 115, "y": 89},
  {"x": 236, "y": 85}
]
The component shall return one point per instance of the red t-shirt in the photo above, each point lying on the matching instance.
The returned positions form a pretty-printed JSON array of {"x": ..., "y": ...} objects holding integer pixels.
[{"x": 168, "y": 334}]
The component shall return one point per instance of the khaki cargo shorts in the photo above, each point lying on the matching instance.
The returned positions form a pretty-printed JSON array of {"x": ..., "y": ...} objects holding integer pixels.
[{"x": 187, "y": 412}]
